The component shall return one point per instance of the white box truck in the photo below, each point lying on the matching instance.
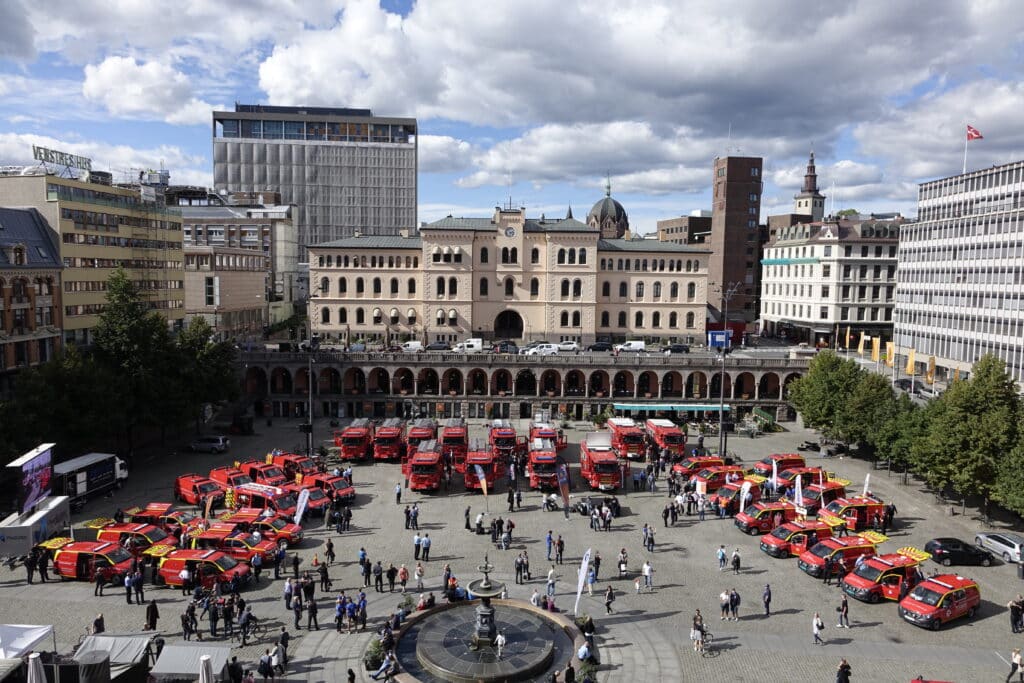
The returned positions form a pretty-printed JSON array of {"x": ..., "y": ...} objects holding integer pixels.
[{"x": 87, "y": 476}]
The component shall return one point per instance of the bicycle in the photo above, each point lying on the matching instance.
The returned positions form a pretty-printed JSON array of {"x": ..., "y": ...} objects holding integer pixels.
[
  {"x": 257, "y": 630},
  {"x": 708, "y": 650}
]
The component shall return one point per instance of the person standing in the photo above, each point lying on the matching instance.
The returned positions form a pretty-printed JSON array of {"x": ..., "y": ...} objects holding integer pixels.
[
  {"x": 736, "y": 561},
  {"x": 469, "y": 527},
  {"x": 1015, "y": 614},
  {"x": 723, "y": 604},
  {"x": 597, "y": 565},
  {"x": 843, "y": 671},
  {"x": 403, "y": 577},
  {"x": 590, "y": 581},
  {"x": 549, "y": 540},
  {"x": 844, "y": 613},
  {"x": 826, "y": 571},
  {"x": 392, "y": 574},
  {"x": 734, "y": 605},
  {"x": 378, "y": 577},
  {"x": 609, "y": 598},
  {"x": 139, "y": 586},
  {"x": 766, "y": 600},
  {"x": 418, "y": 575},
  {"x": 297, "y": 610},
  {"x": 648, "y": 572},
  {"x": 398, "y": 493},
  {"x": 152, "y": 615},
  {"x": 559, "y": 549},
  {"x": 128, "y": 587},
  {"x": 551, "y": 582},
  {"x": 721, "y": 558},
  {"x": 425, "y": 546},
  {"x": 295, "y": 565},
  {"x": 42, "y": 566},
  {"x": 311, "y": 612},
  {"x": 30, "y": 566},
  {"x": 416, "y": 541},
  {"x": 215, "y": 614},
  {"x": 816, "y": 626}
]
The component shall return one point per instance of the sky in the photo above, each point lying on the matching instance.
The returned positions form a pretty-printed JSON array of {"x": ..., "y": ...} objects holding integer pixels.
[{"x": 536, "y": 101}]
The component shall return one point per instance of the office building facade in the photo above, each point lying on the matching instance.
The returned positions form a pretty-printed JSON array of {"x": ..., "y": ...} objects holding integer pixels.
[
  {"x": 960, "y": 291},
  {"x": 735, "y": 238},
  {"x": 227, "y": 287},
  {"x": 344, "y": 170}
]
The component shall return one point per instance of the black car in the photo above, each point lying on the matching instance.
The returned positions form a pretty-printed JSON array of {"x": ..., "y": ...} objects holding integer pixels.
[
  {"x": 950, "y": 551},
  {"x": 676, "y": 348},
  {"x": 600, "y": 346},
  {"x": 438, "y": 346},
  {"x": 505, "y": 346}
]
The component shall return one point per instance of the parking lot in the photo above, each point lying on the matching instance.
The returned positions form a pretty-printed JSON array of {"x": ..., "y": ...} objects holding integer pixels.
[{"x": 647, "y": 635}]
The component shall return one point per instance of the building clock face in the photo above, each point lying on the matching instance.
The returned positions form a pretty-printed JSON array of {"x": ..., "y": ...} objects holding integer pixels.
[{"x": 510, "y": 232}]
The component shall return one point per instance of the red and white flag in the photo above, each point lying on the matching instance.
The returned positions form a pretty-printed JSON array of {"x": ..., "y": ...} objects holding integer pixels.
[{"x": 973, "y": 133}]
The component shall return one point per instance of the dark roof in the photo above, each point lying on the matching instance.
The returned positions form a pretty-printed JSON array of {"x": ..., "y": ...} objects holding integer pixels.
[
  {"x": 569, "y": 224},
  {"x": 607, "y": 208},
  {"x": 374, "y": 242},
  {"x": 28, "y": 227},
  {"x": 649, "y": 245},
  {"x": 312, "y": 111},
  {"x": 450, "y": 223}
]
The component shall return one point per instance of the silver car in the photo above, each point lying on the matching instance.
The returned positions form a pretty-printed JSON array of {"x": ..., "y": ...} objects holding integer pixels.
[
  {"x": 210, "y": 444},
  {"x": 1006, "y": 545}
]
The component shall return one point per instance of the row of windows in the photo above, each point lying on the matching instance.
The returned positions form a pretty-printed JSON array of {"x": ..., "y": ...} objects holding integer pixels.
[
  {"x": 96, "y": 309},
  {"x": 344, "y": 261},
  {"x": 807, "y": 311},
  {"x": 966, "y": 325},
  {"x": 110, "y": 222},
  {"x": 252, "y": 263},
  {"x": 638, "y": 319},
  {"x": 377, "y": 315},
  {"x": 360, "y": 285},
  {"x": 1001, "y": 301},
  {"x": 73, "y": 286},
  {"x": 959, "y": 251},
  {"x": 984, "y": 180},
  {"x": 127, "y": 263},
  {"x": 657, "y": 265},
  {"x": 20, "y": 287},
  {"x": 121, "y": 242},
  {"x": 974, "y": 276},
  {"x": 776, "y": 289},
  {"x": 862, "y": 272}
]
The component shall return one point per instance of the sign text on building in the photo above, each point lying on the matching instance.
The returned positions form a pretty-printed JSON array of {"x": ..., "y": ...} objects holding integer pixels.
[{"x": 53, "y": 156}]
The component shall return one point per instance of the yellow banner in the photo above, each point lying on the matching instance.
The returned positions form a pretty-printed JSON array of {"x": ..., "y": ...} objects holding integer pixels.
[
  {"x": 876, "y": 347},
  {"x": 890, "y": 353},
  {"x": 930, "y": 376},
  {"x": 910, "y": 362},
  {"x": 860, "y": 345},
  {"x": 956, "y": 374},
  {"x": 847, "y": 344}
]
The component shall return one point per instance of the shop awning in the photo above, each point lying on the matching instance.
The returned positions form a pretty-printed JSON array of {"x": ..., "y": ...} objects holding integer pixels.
[
  {"x": 182, "y": 661},
  {"x": 677, "y": 407},
  {"x": 17, "y": 639}
]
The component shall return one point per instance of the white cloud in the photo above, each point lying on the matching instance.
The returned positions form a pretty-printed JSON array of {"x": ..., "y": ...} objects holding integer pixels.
[
  {"x": 121, "y": 160},
  {"x": 16, "y": 33},
  {"x": 444, "y": 154},
  {"x": 147, "y": 90}
]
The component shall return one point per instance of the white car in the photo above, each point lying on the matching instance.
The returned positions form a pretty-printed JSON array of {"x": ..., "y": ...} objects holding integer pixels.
[
  {"x": 542, "y": 350},
  {"x": 569, "y": 346},
  {"x": 210, "y": 444},
  {"x": 1003, "y": 544}
]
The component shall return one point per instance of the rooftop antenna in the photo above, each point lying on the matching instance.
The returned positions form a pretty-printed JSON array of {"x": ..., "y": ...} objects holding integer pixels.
[{"x": 508, "y": 183}]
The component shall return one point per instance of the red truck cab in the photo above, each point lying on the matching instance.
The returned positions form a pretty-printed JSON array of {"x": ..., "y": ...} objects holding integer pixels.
[
  {"x": 134, "y": 537},
  {"x": 336, "y": 488},
  {"x": 710, "y": 479},
  {"x": 389, "y": 440},
  {"x": 794, "y": 537},
  {"x": 940, "y": 599},
  {"x": 816, "y": 496},
  {"x": 355, "y": 440},
  {"x": 426, "y": 467},
  {"x": 542, "y": 464},
  {"x": 293, "y": 464},
  {"x": 423, "y": 429},
  {"x": 806, "y": 475},
  {"x": 263, "y": 497},
  {"x": 627, "y": 438},
  {"x": 690, "y": 466},
  {"x": 783, "y": 461},
  {"x": 194, "y": 489},
  {"x": 480, "y": 454},
  {"x": 856, "y": 511},
  {"x": 730, "y": 493},
  {"x": 599, "y": 466},
  {"x": 206, "y": 567},
  {"x": 847, "y": 548},
  {"x": 274, "y": 528},
  {"x": 318, "y": 503},
  {"x": 80, "y": 560},
  {"x": 666, "y": 435},
  {"x": 263, "y": 472},
  {"x": 228, "y": 476},
  {"x": 455, "y": 443},
  {"x": 887, "y": 576},
  {"x": 174, "y": 522},
  {"x": 502, "y": 438},
  {"x": 762, "y": 517},
  {"x": 241, "y": 545}
]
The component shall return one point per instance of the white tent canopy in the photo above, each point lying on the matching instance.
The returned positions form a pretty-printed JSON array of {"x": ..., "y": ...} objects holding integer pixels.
[
  {"x": 17, "y": 639},
  {"x": 183, "y": 662}
]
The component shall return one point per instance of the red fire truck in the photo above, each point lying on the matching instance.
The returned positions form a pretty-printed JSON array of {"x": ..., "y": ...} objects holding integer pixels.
[
  {"x": 796, "y": 536},
  {"x": 480, "y": 454},
  {"x": 817, "y": 496},
  {"x": 263, "y": 473},
  {"x": 887, "y": 576},
  {"x": 857, "y": 512},
  {"x": 764, "y": 516},
  {"x": 730, "y": 493},
  {"x": 389, "y": 441},
  {"x": 627, "y": 438},
  {"x": 598, "y": 465},
  {"x": 455, "y": 442},
  {"x": 426, "y": 467},
  {"x": 695, "y": 463},
  {"x": 542, "y": 464},
  {"x": 293, "y": 463},
  {"x": 502, "y": 439},
  {"x": 355, "y": 440},
  {"x": 665, "y": 434},
  {"x": 546, "y": 430}
]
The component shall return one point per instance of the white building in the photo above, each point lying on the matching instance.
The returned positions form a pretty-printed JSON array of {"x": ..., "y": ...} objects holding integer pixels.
[
  {"x": 821, "y": 278},
  {"x": 961, "y": 272}
]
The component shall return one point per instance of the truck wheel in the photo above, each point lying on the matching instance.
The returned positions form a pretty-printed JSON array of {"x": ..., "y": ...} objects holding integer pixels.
[
  {"x": 784, "y": 554},
  {"x": 935, "y": 624},
  {"x": 874, "y": 598},
  {"x": 970, "y": 613},
  {"x": 752, "y": 531}
]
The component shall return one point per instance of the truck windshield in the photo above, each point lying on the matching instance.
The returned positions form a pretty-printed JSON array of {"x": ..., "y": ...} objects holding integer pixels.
[
  {"x": 926, "y": 595},
  {"x": 505, "y": 442},
  {"x": 306, "y": 466},
  {"x": 413, "y": 442},
  {"x": 316, "y": 494},
  {"x": 278, "y": 523},
  {"x": 632, "y": 439},
  {"x": 240, "y": 479},
  {"x": 184, "y": 517},
  {"x": 606, "y": 468},
  {"x": 782, "y": 533},
  {"x": 544, "y": 468},
  {"x": 454, "y": 440},
  {"x": 866, "y": 571},
  {"x": 117, "y": 555},
  {"x": 424, "y": 469},
  {"x": 673, "y": 439},
  {"x": 351, "y": 441},
  {"x": 273, "y": 473},
  {"x": 812, "y": 495},
  {"x": 156, "y": 535},
  {"x": 225, "y": 562},
  {"x": 821, "y": 550},
  {"x": 284, "y": 502},
  {"x": 208, "y": 487},
  {"x": 386, "y": 441},
  {"x": 835, "y": 507},
  {"x": 339, "y": 484}
]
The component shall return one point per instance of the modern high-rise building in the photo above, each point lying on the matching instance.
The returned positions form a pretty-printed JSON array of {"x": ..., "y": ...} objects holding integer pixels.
[
  {"x": 960, "y": 289},
  {"x": 735, "y": 239},
  {"x": 346, "y": 171}
]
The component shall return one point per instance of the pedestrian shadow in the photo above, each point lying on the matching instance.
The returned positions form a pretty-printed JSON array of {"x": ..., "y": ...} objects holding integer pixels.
[
  {"x": 430, "y": 525},
  {"x": 788, "y": 610},
  {"x": 633, "y": 616},
  {"x": 753, "y": 572},
  {"x": 864, "y": 624},
  {"x": 838, "y": 641}
]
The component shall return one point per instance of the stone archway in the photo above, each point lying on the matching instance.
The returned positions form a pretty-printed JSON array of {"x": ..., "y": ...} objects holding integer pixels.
[
  {"x": 379, "y": 381},
  {"x": 697, "y": 385},
  {"x": 647, "y": 384},
  {"x": 526, "y": 383},
  {"x": 716, "y": 379},
  {"x": 599, "y": 384},
  {"x": 508, "y": 325},
  {"x": 622, "y": 384},
  {"x": 551, "y": 383},
  {"x": 575, "y": 383},
  {"x": 329, "y": 381},
  {"x": 768, "y": 387},
  {"x": 501, "y": 382},
  {"x": 428, "y": 381},
  {"x": 744, "y": 386},
  {"x": 402, "y": 383},
  {"x": 281, "y": 381},
  {"x": 451, "y": 381},
  {"x": 785, "y": 385},
  {"x": 476, "y": 382},
  {"x": 355, "y": 381},
  {"x": 672, "y": 385},
  {"x": 256, "y": 381}
]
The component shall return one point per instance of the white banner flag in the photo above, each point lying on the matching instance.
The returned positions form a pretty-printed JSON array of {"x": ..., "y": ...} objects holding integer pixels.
[
  {"x": 798, "y": 495},
  {"x": 867, "y": 480},
  {"x": 584, "y": 570},
  {"x": 775, "y": 473},
  {"x": 744, "y": 490},
  {"x": 300, "y": 505}
]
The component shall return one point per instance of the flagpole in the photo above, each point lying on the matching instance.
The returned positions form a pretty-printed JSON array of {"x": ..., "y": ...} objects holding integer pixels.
[{"x": 966, "y": 139}]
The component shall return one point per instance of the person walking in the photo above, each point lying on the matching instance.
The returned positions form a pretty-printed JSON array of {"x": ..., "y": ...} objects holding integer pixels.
[
  {"x": 425, "y": 547},
  {"x": 609, "y": 598},
  {"x": 766, "y": 600},
  {"x": 549, "y": 540},
  {"x": 736, "y": 561},
  {"x": 297, "y": 610},
  {"x": 403, "y": 577},
  {"x": 843, "y": 671},
  {"x": 417, "y": 540},
  {"x": 152, "y": 615},
  {"x": 597, "y": 565},
  {"x": 816, "y": 626},
  {"x": 418, "y": 575},
  {"x": 648, "y": 572},
  {"x": 469, "y": 527},
  {"x": 844, "y": 613},
  {"x": 328, "y": 553},
  {"x": 721, "y": 558},
  {"x": 591, "y": 578},
  {"x": 499, "y": 642},
  {"x": 551, "y": 582}
]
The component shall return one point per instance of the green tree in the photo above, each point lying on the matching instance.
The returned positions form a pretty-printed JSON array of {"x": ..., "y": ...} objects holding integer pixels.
[
  {"x": 1009, "y": 489},
  {"x": 899, "y": 431},
  {"x": 206, "y": 368},
  {"x": 846, "y": 212},
  {"x": 871, "y": 403},
  {"x": 822, "y": 393}
]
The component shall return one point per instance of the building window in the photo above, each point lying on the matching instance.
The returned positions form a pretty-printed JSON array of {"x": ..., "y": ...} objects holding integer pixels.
[
  {"x": 623, "y": 290},
  {"x": 342, "y": 315},
  {"x": 828, "y": 250},
  {"x": 826, "y": 270},
  {"x": 655, "y": 319},
  {"x": 561, "y": 257},
  {"x": 360, "y": 287},
  {"x": 606, "y": 289},
  {"x": 657, "y": 290},
  {"x": 673, "y": 291},
  {"x": 640, "y": 290},
  {"x": 483, "y": 255},
  {"x": 673, "y": 320},
  {"x": 325, "y": 316},
  {"x": 378, "y": 315},
  {"x": 825, "y": 290},
  {"x": 483, "y": 286},
  {"x": 412, "y": 286},
  {"x": 504, "y": 254},
  {"x": 510, "y": 287},
  {"x": 440, "y": 287},
  {"x": 604, "y": 319},
  {"x": 394, "y": 286},
  {"x": 342, "y": 285},
  {"x": 514, "y": 255},
  {"x": 436, "y": 256},
  {"x": 360, "y": 316},
  {"x": 583, "y": 257},
  {"x": 848, "y": 251},
  {"x": 691, "y": 291},
  {"x": 211, "y": 296},
  {"x": 577, "y": 288},
  {"x": 572, "y": 257},
  {"x": 622, "y": 318},
  {"x": 823, "y": 313},
  {"x": 753, "y": 197},
  {"x": 453, "y": 286},
  {"x": 453, "y": 317},
  {"x": 575, "y": 318},
  {"x": 325, "y": 286},
  {"x": 440, "y": 318},
  {"x": 376, "y": 285},
  {"x": 563, "y": 319},
  {"x": 689, "y": 321},
  {"x": 534, "y": 287},
  {"x": 860, "y": 313},
  {"x": 565, "y": 288},
  {"x": 638, "y": 319}
]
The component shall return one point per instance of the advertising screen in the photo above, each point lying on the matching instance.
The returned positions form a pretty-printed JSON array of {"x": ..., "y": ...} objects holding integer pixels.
[{"x": 34, "y": 472}]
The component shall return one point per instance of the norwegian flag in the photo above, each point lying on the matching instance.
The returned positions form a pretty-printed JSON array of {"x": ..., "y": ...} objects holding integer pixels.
[{"x": 973, "y": 133}]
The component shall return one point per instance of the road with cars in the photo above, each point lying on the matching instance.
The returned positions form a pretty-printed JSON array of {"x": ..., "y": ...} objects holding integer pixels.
[{"x": 647, "y": 634}]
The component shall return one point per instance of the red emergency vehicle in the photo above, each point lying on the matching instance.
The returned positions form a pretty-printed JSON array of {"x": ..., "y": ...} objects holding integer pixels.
[
  {"x": 389, "y": 440},
  {"x": 318, "y": 503},
  {"x": 709, "y": 479},
  {"x": 274, "y": 528},
  {"x": 423, "y": 429},
  {"x": 666, "y": 435},
  {"x": 694, "y": 464},
  {"x": 764, "y": 516},
  {"x": 80, "y": 560},
  {"x": 847, "y": 548},
  {"x": 794, "y": 537},
  {"x": 426, "y": 467},
  {"x": 263, "y": 472},
  {"x": 336, "y": 488},
  {"x": 546, "y": 430},
  {"x": 817, "y": 495},
  {"x": 939, "y": 599},
  {"x": 480, "y": 454},
  {"x": 293, "y": 463},
  {"x": 783, "y": 461},
  {"x": 730, "y": 493},
  {"x": 228, "y": 476},
  {"x": 627, "y": 438},
  {"x": 857, "y": 512},
  {"x": 205, "y": 566},
  {"x": 194, "y": 489},
  {"x": 355, "y": 440},
  {"x": 502, "y": 438},
  {"x": 599, "y": 466},
  {"x": 806, "y": 475},
  {"x": 887, "y": 576},
  {"x": 240, "y": 545},
  {"x": 542, "y": 464},
  {"x": 164, "y": 516},
  {"x": 455, "y": 442},
  {"x": 133, "y": 537},
  {"x": 263, "y": 496}
]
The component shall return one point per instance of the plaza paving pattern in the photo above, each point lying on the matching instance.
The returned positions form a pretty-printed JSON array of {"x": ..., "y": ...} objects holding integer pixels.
[{"x": 646, "y": 637}]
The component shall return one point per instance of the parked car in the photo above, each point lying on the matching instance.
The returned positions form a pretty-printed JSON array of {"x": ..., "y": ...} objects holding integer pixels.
[
  {"x": 600, "y": 346},
  {"x": 1006, "y": 545},
  {"x": 542, "y": 350},
  {"x": 438, "y": 346},
  {"x": 570, "y": 346},
  {"x": 950, "y": 551},
  {"x": 632, "y": 346},
  {"x": 505, "y": 346},
  {"x": 210, "y": 444},
  {"x": 358, "y": 347},
  {"x": 675, "y": 348}
]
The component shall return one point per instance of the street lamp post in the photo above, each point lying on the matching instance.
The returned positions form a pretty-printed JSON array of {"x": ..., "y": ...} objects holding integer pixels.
[{"x": 727, "y": 294}]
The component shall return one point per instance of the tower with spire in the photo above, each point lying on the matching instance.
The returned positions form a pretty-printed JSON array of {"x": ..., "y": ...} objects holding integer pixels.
[
  {"x": 809, "y": 201},
  {"x": 608, "y": 216}
]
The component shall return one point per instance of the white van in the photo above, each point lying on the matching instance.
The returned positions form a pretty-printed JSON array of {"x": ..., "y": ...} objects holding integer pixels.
[
  {"x": 475, "y": 345},
  {"x": 412, "y": 347},
  {"x": 636, "y": 345},
  {"x": 542, "y": 350}
]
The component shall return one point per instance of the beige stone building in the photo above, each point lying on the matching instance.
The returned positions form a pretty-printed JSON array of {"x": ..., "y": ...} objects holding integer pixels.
[
  {"x": 227, "y": 286},
  {"x": 510, "y": 277},
  {"x": 103, "y": 228}
]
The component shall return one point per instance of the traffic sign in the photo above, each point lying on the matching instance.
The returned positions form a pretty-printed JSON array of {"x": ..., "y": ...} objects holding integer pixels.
[{"x": 719, "y": 339}]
